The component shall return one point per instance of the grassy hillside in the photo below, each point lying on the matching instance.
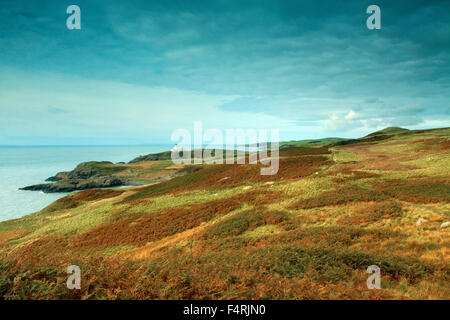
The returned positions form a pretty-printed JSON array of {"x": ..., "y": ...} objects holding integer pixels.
[
  {"x": 388, "y": 130},
  {"x": 226, "y": 232},
  {"x": 310, "y": 142}
]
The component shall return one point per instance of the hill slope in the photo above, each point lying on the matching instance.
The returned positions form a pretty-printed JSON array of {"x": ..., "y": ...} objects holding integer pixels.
[
  {"x": 226, "y": 232},
  {"x": 388, "y": 130}
]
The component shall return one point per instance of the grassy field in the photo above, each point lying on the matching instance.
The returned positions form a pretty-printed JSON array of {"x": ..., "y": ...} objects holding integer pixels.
[{"x": 226, "y": 232}]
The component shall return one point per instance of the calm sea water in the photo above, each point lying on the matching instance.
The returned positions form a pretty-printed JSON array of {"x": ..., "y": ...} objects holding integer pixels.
[{"x": 23, "y": 166}]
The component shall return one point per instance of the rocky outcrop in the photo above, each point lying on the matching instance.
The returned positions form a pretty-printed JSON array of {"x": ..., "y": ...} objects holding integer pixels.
[{"x": 86, "y": 175}]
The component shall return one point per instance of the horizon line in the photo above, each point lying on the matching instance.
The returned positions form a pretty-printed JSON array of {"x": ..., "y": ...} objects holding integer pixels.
[{"x": 79, "y": 145}]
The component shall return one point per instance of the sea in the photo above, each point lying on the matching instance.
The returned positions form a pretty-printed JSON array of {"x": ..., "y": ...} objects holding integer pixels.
[{"x": 24, "y": 166}]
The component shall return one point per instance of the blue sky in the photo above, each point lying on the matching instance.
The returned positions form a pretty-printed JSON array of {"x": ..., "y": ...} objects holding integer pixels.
[{"x": 137, "y": 70}]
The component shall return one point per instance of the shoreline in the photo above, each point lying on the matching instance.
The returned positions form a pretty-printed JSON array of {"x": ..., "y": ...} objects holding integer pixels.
[{"x": 24, "y": 166}]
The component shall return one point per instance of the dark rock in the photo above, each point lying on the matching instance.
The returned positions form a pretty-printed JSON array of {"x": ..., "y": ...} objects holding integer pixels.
[
  {"x": 58, "y": 177},
  {"x": 53, "y": 179},
  {"x": 52, "y": 187},
  {"x": 86, "y": 175}
]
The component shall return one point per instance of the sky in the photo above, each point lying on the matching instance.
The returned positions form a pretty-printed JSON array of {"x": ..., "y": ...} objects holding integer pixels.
[{"x": 138, "y": 70}]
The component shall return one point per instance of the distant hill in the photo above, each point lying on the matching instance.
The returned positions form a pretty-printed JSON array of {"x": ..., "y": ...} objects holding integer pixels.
[
  {"x": 388, "y": 130},
  {"x": 383, "y": 134},
  {"x": 166, "y": 155},
  {"x": 310, "y": 142}
]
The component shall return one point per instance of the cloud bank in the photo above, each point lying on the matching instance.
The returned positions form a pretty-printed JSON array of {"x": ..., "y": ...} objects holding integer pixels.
[{"x": 139, "y": 69}]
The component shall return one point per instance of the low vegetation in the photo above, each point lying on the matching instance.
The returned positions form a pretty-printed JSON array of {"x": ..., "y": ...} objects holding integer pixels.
[{"x": 334, "y": 208}]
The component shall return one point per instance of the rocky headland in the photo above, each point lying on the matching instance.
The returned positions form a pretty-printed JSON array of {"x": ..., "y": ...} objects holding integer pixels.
[{"x": 86, "y": 175}]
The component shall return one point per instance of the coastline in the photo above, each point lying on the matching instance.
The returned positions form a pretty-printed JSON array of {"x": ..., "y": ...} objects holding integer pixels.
[{"x": 22, "y": 166}]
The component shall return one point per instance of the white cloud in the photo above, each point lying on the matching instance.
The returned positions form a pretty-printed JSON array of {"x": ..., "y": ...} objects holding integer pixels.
[
  {"x": 352, "y": 115},
  {"x": 98, "y": 108}
]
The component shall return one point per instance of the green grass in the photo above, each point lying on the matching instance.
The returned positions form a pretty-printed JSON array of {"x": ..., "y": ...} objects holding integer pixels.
[
  {"x": 334, "y": 265},
  {"x": 107, "y": 168},
  {"x": 342, "y": 156},
  {"x": 162, "y": 165},
  {"x": 340, "y": 196},
  {"x": 245, "y": 221},
  {"x": 262, "y": 231}
]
